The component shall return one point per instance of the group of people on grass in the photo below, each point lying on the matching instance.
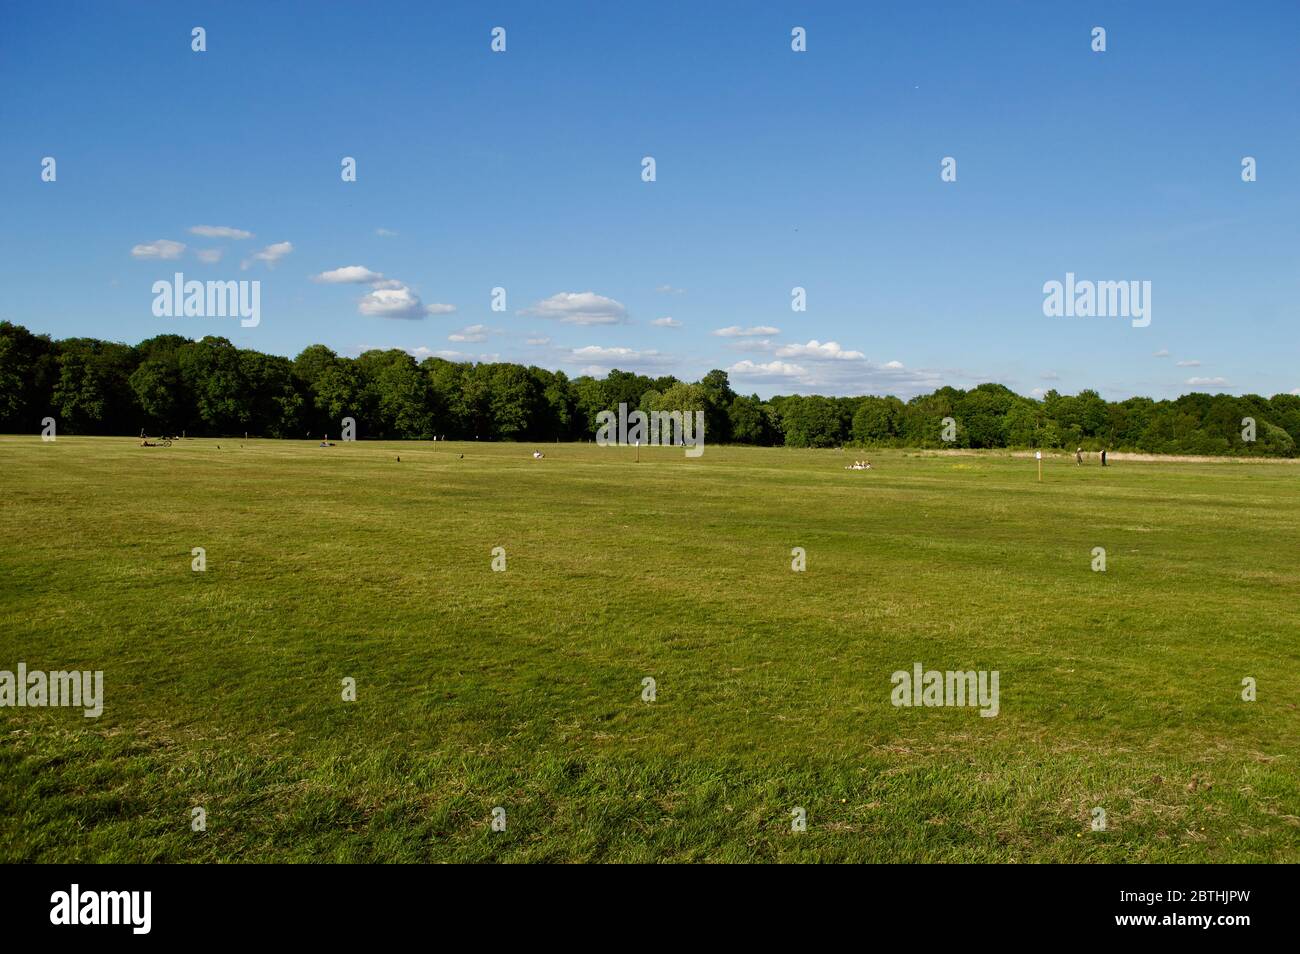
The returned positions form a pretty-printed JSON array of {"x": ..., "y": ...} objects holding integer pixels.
[{"x": 1078, "y": 456}]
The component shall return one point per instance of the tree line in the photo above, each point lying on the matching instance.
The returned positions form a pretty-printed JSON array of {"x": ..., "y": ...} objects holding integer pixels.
[{"x": 171, "y": 384}]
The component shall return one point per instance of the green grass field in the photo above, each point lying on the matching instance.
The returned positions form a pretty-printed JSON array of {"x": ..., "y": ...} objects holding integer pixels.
[{"x": 522, "y": 689}]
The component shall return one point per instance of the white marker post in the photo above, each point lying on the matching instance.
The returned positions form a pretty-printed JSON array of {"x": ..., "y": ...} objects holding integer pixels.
[
  {"x": 1039, "y": 455},
  {"x": 638, "y": 452}
]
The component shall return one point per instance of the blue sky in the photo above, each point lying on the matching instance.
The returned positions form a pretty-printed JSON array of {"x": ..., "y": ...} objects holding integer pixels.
[{"x": 775, "y": 169}]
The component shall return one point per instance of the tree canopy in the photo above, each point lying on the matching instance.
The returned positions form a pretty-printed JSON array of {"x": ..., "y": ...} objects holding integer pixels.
[{"x": 209, "y": 387}]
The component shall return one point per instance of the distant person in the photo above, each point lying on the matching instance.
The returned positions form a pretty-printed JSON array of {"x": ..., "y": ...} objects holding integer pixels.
[
  {"x": 1103, "y": 457},
  {"x": 1078, "y": 456}
]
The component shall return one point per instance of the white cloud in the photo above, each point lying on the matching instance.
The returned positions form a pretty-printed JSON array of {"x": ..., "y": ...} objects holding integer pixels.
[
  {"x": 1162, "y": 353},
  {"x": 597, "y": 360},
  {"x": 471, "y": 334},
  {"x": 771, "y": 369},
  {"x": 209, "y": 256},
  {"x": 833, "y": 370},
  {"x": 666, "y": 323},
  {"x": 163, "y": 248},
  {"x": 597, "y": 353},
  {"x": 1187, "y": 364},
  {"x": 1295, "y": 390},
  {"x": 219, "y": 231},
  {"x": 270, "y": 255},
  {"x": 385, "y": 232},
  {"x": 831, "y": 350},
  {"x": 348, "y": 275},
  {"x": 423, "y": 352},
  {"x": 580, "y": 308},
  {"x": 1207, "y": 382},
  {"x": 735, "y": 331},
  {"x": 399, "y": 302},
  {"x": 538, "y": 342},
  {"x": 670, "y": 290}
]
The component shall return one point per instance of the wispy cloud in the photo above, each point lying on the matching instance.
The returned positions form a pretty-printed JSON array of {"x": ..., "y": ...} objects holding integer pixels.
[
  {"x": 269, "y": 255},
  {"x": 1208, "y": 382},
  {"x": 220, "y": 231},
  {"x": 473, "y": 333},
  {"x": 1187, "y": 364},
  {"x": 666, "y": 322},
  {"x": 758, "y": 331},
  {"x": 162, "y": 248},
  {"x": 423, "y": 352},
  {"x": 209, "y": 256}
]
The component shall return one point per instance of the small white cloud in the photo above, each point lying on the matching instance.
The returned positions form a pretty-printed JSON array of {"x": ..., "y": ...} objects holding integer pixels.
[
  {"x": 208, "y": 256},
  {"x": 399, "y": 302},
  {"x": 424, "y": 351},
  {"x": 831, "y": 350},
  {"x": 388, "y": 233},
  {"x": 597, "y": 353},
  {"x": 163, "y": 248},
  {"x": 1207, "y": 382},
  {"x": 670, "y": 290},
  {"x": 1162, "y": 353},
  {"x": 735, "y": 331},
  {"x": 1187, "y": 364},
  {"x": 270, "y": 255},
  {"x": 471, "y": 334},
  {"x": 894, "y": 365},
  {"x": 538, "y": 342},
  {"x": 349, "y": 275},
  {"x": 666, "y": 323},
  {"x": 219, "y": 231},
  {"x": 771, "y": 369},
  {"x": 580, "y": 308},
  {"x": 461, "y": 356}
]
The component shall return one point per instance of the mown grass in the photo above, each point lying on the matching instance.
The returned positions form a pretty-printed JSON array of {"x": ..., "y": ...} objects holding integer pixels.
[{"x": 522, "y": 689}]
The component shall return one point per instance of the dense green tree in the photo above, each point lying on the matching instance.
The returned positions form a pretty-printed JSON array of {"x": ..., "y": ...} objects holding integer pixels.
[{"x": 171, "y": 383}]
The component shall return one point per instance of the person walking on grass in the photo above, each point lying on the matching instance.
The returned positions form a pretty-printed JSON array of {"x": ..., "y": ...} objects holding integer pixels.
[
  {"x": 1103, "y": 457},
  {"x": 1078, "y": 456}
]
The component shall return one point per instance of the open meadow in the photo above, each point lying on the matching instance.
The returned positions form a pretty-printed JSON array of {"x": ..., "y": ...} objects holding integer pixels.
[{"x": 522, "y": 689}]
